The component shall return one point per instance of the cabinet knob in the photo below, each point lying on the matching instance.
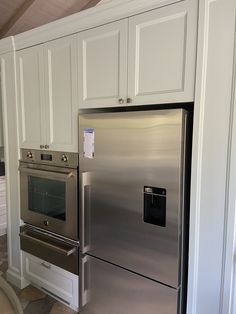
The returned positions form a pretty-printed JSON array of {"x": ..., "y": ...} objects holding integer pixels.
[
  {"x": 121, "y": 101},
  {"x": 47, "y": 146},
  {"x": 42, "y": 146},
  {"x": 129, "y": 100}
]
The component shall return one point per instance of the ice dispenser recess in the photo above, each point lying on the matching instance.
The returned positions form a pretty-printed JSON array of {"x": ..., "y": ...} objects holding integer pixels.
[{"x": 154, "y": 209}]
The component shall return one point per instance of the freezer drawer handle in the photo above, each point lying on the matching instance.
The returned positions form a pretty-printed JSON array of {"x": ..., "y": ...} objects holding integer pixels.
[
  {"x": 83, "y": 291},
  {"x": 51, "y": 246}
]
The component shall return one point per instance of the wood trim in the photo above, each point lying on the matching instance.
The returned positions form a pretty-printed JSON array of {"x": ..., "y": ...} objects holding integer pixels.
[
  {"x": 15, "y": 18},
  {"x": 91, "y": 3},
  {"x": 7, "y": 45},
  {"x": 16, "y": 279},
  {"x": 202, "y": 203},
  {"x": 228, "y": 298},
  {"x": 11, "y": 152},
  {"x": 86, "y": 19}
]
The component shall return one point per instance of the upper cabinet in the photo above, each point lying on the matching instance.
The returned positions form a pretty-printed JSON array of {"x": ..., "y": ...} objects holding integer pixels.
[
  {"x": 160, "y": 50},
  {"x": 162, "y": 55},
  {"x": 31, "y": 97},
  {"x": 61, "y": 94},
  {"x": 148, "y": 58},
  {"x": 102, "y": 70},
  {"x": 47, "y": 88}
]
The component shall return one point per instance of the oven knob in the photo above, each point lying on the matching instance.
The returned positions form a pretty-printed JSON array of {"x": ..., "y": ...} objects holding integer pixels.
[
  {"x": 64, "y": 158},
  {"x": 29, "y": 155},
  {"x": 46, "y": 223}
]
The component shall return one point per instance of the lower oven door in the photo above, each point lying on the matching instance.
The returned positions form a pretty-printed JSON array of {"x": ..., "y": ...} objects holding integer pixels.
[
  {"x": 52, "y": 249},
  {"x": 48, "y": 198}
]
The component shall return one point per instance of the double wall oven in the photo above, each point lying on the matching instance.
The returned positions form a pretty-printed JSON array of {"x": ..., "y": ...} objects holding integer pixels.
[{"x": 49, "y": 206}]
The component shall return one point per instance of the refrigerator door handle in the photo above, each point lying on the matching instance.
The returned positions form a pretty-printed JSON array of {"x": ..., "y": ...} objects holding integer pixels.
[
  {"x": 85, "y": 182},
  {"x": 83, "y": 291}
]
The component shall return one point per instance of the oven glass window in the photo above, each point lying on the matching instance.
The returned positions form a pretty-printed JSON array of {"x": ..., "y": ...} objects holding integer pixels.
[{"x": 47, "y": 197}]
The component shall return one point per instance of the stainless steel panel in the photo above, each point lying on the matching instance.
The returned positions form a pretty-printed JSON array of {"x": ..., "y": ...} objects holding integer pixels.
[
  {"x": 133, "y": 150},
  {"x": 60, "y": 159},
  {"x": 55, "y": 250},
  {"x": 107, "y": 289},
  {"x": 67, "y": 228}
]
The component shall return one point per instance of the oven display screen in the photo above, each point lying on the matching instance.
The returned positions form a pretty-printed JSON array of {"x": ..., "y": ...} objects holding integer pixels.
[{"x": 46, "y": 157}]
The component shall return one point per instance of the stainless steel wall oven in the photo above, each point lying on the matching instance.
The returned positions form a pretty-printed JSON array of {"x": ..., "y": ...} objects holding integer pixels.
[{"x": 48, "y": 190}]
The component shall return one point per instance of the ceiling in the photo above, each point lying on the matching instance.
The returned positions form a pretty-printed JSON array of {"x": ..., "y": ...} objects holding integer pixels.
[{"x": 17, "y": 16}]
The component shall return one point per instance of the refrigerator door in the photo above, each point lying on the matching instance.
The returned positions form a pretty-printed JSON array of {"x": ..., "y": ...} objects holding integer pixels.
[
  {"x": 107, "y": 289},
  {"x": 131, "y": 179}
]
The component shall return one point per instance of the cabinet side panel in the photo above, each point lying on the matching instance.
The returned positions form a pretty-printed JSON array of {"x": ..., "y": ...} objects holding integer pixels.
[{"x": 213, "y": 102}]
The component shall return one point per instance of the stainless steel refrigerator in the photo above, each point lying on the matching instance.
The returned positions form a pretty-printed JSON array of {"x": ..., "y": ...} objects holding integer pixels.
[{"x": 133, "y": 212}]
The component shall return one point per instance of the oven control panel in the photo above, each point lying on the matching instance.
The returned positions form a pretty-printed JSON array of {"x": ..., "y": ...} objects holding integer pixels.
[{"x": 50, "y": 157}]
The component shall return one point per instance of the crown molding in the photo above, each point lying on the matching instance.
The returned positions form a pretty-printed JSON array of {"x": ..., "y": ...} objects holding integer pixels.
[
  {"x": 7, "y": 45},
  {"x": 92, "y": 17}
]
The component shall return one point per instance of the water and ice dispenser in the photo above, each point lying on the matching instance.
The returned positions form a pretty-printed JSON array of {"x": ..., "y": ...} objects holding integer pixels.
[{"x": 154, "y": 211}]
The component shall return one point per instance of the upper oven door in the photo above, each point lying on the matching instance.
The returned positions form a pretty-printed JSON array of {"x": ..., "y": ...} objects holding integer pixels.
[{"x": 49, "y": 198}]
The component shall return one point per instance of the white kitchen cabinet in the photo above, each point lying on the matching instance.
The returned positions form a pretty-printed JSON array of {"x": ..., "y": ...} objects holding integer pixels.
[
  {"x": 32, "y": 131},
  {"x": 61, "y": 94},
  {"x": 162, "y": 53},
  {"x": 52, "y": 279},
  {"x": 102, "y": 70},
  {"x": 150, "y": 60},
  {"x": 47, "y": 84}
]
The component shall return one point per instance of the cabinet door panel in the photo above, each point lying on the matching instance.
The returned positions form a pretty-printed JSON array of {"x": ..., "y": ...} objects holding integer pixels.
[
  {"x": 61, "y": 95},
  {"x": 162, "y": 55},
  {"x": 103, "y": 65},
  {"x": 30, "y": 91}
]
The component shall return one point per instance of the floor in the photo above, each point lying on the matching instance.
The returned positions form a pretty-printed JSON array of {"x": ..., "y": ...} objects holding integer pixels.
[
  {"x": 33, "y": 300},
  {"x": 6, "y": 306}
]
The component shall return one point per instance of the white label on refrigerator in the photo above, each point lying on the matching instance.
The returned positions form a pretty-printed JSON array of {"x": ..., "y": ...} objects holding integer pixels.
[{"x": 88, "y": 143}]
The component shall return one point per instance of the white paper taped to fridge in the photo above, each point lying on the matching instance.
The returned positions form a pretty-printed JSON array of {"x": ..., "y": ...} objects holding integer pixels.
[{"x": 88, "y": 143}]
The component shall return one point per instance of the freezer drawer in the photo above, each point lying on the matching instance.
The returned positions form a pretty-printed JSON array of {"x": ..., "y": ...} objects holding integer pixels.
[{"x": 106, "y": 289}]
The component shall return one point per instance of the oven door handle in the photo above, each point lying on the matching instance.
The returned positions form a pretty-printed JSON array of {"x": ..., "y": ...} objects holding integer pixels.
[
  {"x": 36, "y": 171},
  {"x": 49, "y": 245}
]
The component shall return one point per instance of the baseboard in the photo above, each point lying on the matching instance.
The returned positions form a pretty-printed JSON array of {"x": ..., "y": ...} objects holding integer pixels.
[
  {"x": 17, "y": 280},
  {"x": 70, "y": 305}
]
